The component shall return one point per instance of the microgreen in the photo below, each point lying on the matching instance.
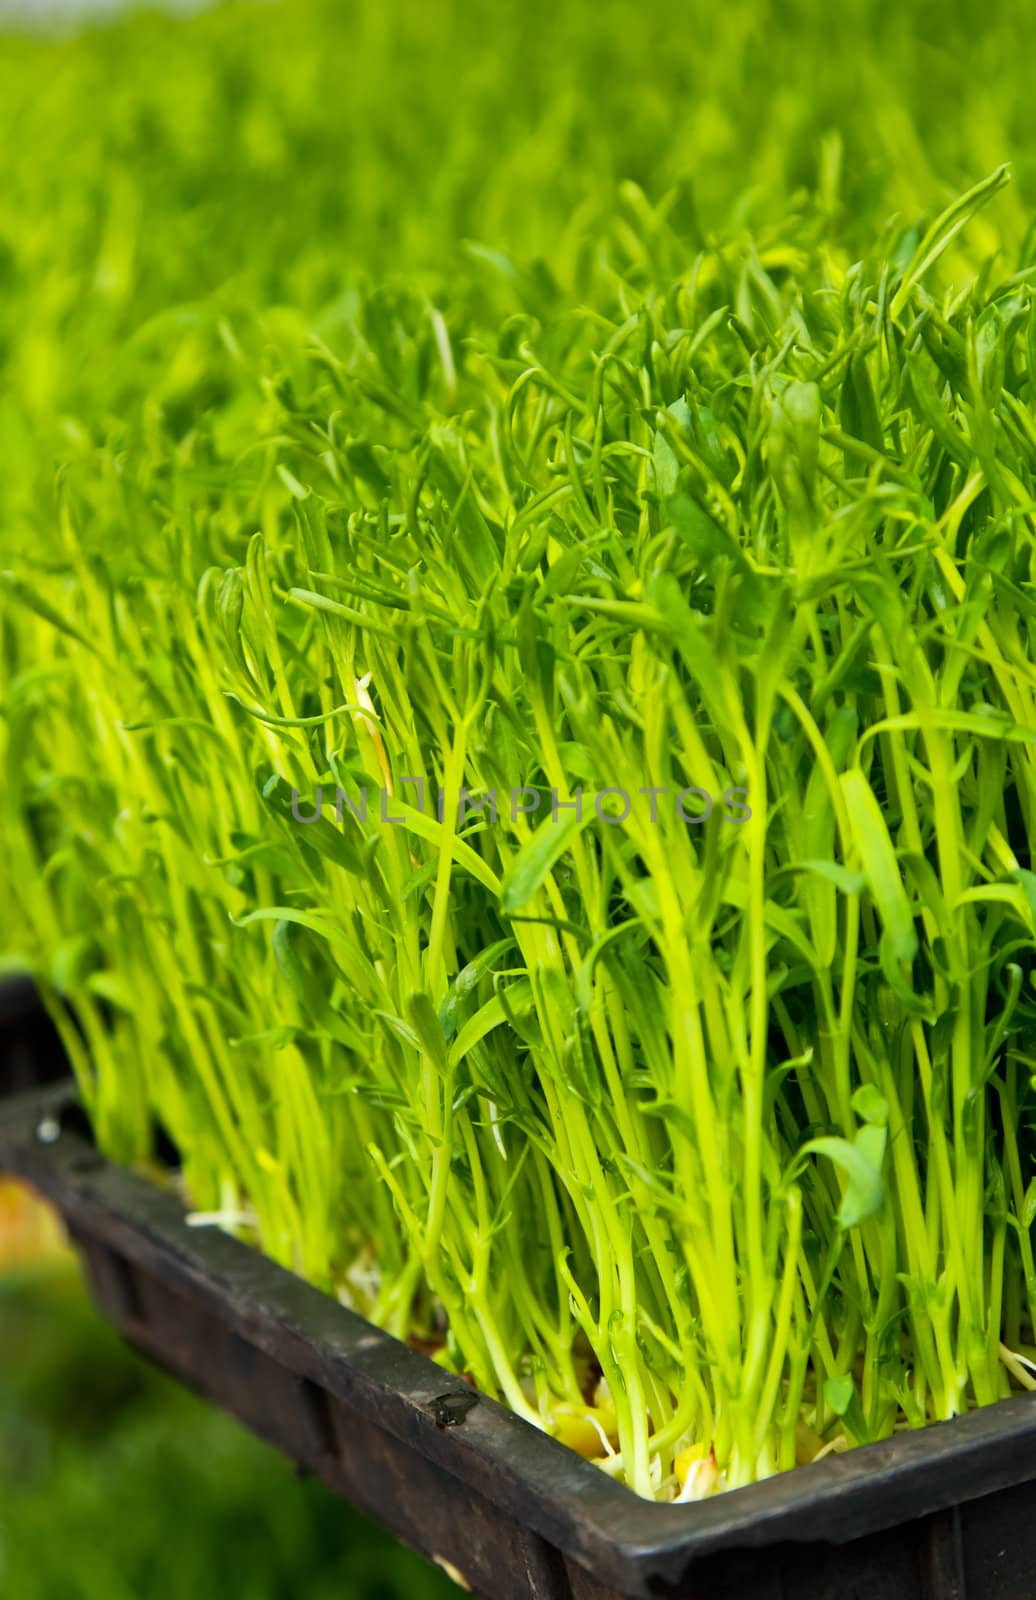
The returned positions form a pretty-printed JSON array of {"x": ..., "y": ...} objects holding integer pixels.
[{"x": 704, "y": 1141}]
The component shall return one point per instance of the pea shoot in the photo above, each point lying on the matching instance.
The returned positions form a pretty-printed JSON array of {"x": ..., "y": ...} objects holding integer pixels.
[{"x": 529, "y": 778}]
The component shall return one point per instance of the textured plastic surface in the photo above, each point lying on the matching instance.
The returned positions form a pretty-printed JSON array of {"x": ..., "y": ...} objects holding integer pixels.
[{"x": 943, "y": 1514}]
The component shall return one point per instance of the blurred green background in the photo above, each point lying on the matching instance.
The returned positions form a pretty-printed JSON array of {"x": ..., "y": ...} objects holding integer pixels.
[
  {"x": 161, "y": 174},
  {"x": 116, "y": 1484}
]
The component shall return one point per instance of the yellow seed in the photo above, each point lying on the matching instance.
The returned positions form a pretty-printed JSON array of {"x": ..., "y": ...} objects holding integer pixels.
[
  {"x": 808, "y": 1444},
  {"x": 697, "y": 1472},
  {"x": 574, "y": 1426},
  {"x": 686, "y": 1459},
  {"x": 577, "y": 1433}
]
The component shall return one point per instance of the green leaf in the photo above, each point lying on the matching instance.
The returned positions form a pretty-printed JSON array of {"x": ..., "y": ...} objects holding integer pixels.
[
  {"x": 1029, "y": 1206},
  {"x": 467, "y": 981},
  {"x": 535, "y": 859},
  {"x": 704, "y": 538},
  {"x": 426, "y": 1024},
  {"x": 870, "y": 1105},
  {"x": 943, "y": 231},
  {"x": 334, "y": 608},
  {"x": 794, "y": 441},
  {"x": 861, "y": 1162},
  {"x": 321, "y": 835},
  {"x": 847, "y": 881},
  {"x": 838, "y": 1393},
  {"x": 431, "y": 830},
  {"x": 879, "y": 863},
  {"x": 488, "y": 1017}
]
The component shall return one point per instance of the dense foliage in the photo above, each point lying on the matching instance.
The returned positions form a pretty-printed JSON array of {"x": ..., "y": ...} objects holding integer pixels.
[{"x": 412, "y": 413}]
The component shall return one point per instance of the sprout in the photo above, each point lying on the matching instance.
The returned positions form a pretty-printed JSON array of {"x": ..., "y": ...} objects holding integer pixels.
[{"x": 644, "y": 1025}]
